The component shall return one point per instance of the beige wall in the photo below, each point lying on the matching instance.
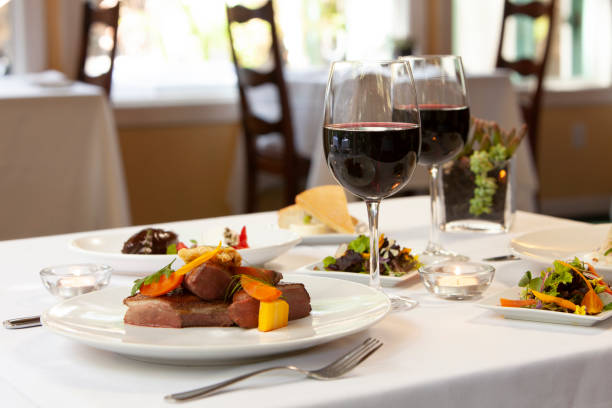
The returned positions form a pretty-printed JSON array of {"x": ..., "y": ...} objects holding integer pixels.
[
  {"x": 569, "y": 164},
  {"x": 178, "y": 172}
]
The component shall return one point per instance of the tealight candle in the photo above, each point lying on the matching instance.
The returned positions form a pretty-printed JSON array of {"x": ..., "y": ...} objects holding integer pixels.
[
  {"x": 457, "y": 280},
  {"x": 66, "y": 281}
]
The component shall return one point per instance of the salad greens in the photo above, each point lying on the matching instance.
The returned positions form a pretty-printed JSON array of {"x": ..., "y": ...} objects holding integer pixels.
[{"x": 355, "y": 257}]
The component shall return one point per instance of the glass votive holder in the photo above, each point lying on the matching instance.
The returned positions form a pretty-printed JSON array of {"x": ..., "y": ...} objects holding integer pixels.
[
  {"x": 457, "y": 280},
  {"x": 66, "y": 281}
]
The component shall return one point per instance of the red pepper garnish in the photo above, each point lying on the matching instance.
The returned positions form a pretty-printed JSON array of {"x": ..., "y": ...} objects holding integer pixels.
[
  {"x": 242, "y": 239},
  {"x": 180, "y": 246}
]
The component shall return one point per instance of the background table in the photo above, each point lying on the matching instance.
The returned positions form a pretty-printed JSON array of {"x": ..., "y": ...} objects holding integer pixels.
[
  {"x": 441, "y": 354},
  {"x": 491, "y": 97},
  {"x": 59, "y": 158}
]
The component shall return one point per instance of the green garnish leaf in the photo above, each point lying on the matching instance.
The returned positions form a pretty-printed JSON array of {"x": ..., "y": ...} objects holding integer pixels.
[
  {"x": 171, "y": 249},
  {"x": 194, "y": 242},
  {"x": 307, "y": 219},
  {"x": 525, "y": 279},
  {"x": 147, "y": 280},
  {"x": 560, "y": 274},
  {"x": 608, "y": 306},
  {"x": 361, "y": 244},
  {"x": 328, "y": 260},
  {"x": 608, "y": 251}
]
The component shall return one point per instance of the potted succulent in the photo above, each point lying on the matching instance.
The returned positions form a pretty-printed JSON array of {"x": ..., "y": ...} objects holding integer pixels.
[{"x": 475, "y": 187}]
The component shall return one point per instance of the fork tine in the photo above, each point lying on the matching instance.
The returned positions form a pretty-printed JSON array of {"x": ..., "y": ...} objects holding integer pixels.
[
  {"x": 349, "y": 365},
  {"x": 355, "y": 357},
  {"x": 351, "y": 353}
]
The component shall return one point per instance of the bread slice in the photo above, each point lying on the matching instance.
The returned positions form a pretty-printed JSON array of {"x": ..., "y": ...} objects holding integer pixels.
[{"x": 328, "y": 204}]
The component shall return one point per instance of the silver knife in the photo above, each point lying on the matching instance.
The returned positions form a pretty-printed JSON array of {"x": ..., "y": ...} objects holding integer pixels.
[
  {"x": 510, "y": 257},
  {"x": 22, "y": 322}
]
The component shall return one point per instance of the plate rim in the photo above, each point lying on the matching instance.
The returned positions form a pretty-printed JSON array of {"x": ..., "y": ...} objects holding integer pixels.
[
  {"x": 513, "y": 244},
  {"x": 183, "y": 351}
]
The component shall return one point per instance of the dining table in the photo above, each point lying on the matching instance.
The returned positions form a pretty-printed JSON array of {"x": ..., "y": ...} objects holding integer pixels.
[
  {"x": 61, "y": 163},
  {"x": 442, "y": 353}
]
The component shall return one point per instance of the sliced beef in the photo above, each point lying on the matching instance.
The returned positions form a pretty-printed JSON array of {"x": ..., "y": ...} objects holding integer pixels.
[
  {"x": 208, "y": 281},
  {"x": 244, "y": 310},
  {"x": 267, "y": 275},
  {"x": 175, "y": 310},
  {"x": 298, "y": 298}
]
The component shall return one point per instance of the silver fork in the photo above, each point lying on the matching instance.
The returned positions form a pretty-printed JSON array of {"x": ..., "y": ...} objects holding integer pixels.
[{"x": 341, "y": 366}]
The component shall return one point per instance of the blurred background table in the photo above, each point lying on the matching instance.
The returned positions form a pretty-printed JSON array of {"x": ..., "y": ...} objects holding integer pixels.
[
  {"x": 491, "y": 97},
  {"x": 59, "y": 156}
]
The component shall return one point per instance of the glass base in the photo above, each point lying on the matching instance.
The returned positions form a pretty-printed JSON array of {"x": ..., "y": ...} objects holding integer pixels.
[
  {"x": 475, "y": 225},
  {"x": 435, "y": 253},
  {"x": 402, "y": 303}
]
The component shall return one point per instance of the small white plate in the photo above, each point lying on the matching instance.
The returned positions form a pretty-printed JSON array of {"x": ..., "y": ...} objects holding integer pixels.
[
  {"x": 536, "y": 315},
  {"x": 328, "y": 239},
  {"x": 266, "y": 243},
  {"x": 546, "y": 246},
  {"x": 339, "y": 309},
  {"x": 363, "y": 278}
]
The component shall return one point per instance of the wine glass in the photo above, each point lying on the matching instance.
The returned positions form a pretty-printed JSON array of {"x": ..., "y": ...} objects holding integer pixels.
[
  {"x": 369, "y": 150},
  {"x": 445, "y": 124}
]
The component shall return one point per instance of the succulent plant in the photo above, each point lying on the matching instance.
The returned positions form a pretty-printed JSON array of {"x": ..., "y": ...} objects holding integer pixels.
[{"x": 488, "y": 148}]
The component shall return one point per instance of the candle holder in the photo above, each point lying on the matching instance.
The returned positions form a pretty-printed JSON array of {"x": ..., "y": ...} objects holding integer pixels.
[
  {"x": 457, "y": 280},
  {"x": 66, "y": 281}
]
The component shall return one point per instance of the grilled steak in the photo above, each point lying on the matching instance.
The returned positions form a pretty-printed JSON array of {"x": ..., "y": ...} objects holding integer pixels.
[
  {"x": 175, "y": 310},
  {"x": 210, "y": 281},
  {"x": 244, "y": 310}
]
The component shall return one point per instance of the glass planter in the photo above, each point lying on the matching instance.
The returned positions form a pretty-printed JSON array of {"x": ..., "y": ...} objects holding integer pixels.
[{"x": 456, "y": 188}]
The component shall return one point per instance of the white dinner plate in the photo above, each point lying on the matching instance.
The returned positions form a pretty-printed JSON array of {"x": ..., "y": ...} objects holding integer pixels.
[
  {"x": 339, "y": 308},
  {"x": 546, "y": 246},
  {"x": 536, "y": 315},
  {"x": 266, "y": 243},
  {"x": 316, "y": 269}
]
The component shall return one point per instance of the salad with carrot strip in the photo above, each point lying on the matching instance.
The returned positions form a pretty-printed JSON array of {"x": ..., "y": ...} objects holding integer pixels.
[{"x": 569, "y": 287}]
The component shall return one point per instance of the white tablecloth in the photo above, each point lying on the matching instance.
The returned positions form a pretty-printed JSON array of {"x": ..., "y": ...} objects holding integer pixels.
[
  {"x": 59, "y": 158},
  {"x": 441, "y": 354}
]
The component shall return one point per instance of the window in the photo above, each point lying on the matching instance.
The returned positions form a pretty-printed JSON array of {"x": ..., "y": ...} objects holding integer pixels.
[
  {"x": 580, "y": 49},
  {"x": 182, "y": 46}
]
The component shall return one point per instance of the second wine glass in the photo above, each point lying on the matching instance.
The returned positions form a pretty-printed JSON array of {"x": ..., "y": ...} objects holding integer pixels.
[
  {"x": 371, "y": 152},
  {"x": 445, "y": 124}
]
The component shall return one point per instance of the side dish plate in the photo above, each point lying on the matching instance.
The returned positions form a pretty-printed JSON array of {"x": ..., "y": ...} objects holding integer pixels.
[
  {"x": 536, "y": 315},
  {"x": 266, "y": 243},
  {"x": 316, "y": 269},
  {"x": 339, "y": 308}
]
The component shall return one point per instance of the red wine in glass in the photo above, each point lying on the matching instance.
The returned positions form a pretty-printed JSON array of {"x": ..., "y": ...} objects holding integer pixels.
[
  {"x": 444, "y": 130},
  {"x": 372, "y": 159}
]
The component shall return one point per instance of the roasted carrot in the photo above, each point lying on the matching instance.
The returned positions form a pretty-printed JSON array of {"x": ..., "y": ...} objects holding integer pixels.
[
  {"x": 259, "y": 290},
  {"x": 553, "y": 299},
  {"x": 163, "y": 285},
  {"x": 517, "y": 302},
  {"x": 197, "y": 262}
]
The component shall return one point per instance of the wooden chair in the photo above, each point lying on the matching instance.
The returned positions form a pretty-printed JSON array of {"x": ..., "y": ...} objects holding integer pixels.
[
  {"x": 110, "y": 17},
  {"x": 531, "y": 109},
  {"x": 281, "y": 157}
]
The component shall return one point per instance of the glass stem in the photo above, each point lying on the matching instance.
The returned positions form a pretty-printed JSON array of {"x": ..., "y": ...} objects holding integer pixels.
[
  {"x": 433, "y": 246},
  {"x": 373, "y": 206}
]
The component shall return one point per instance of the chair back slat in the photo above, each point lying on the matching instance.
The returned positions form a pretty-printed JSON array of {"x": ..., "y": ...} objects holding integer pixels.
[
  {"x": 109, "y": 17},
  {"x": 531, "y": 110},
  {"x": 288, "y": 164}
]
